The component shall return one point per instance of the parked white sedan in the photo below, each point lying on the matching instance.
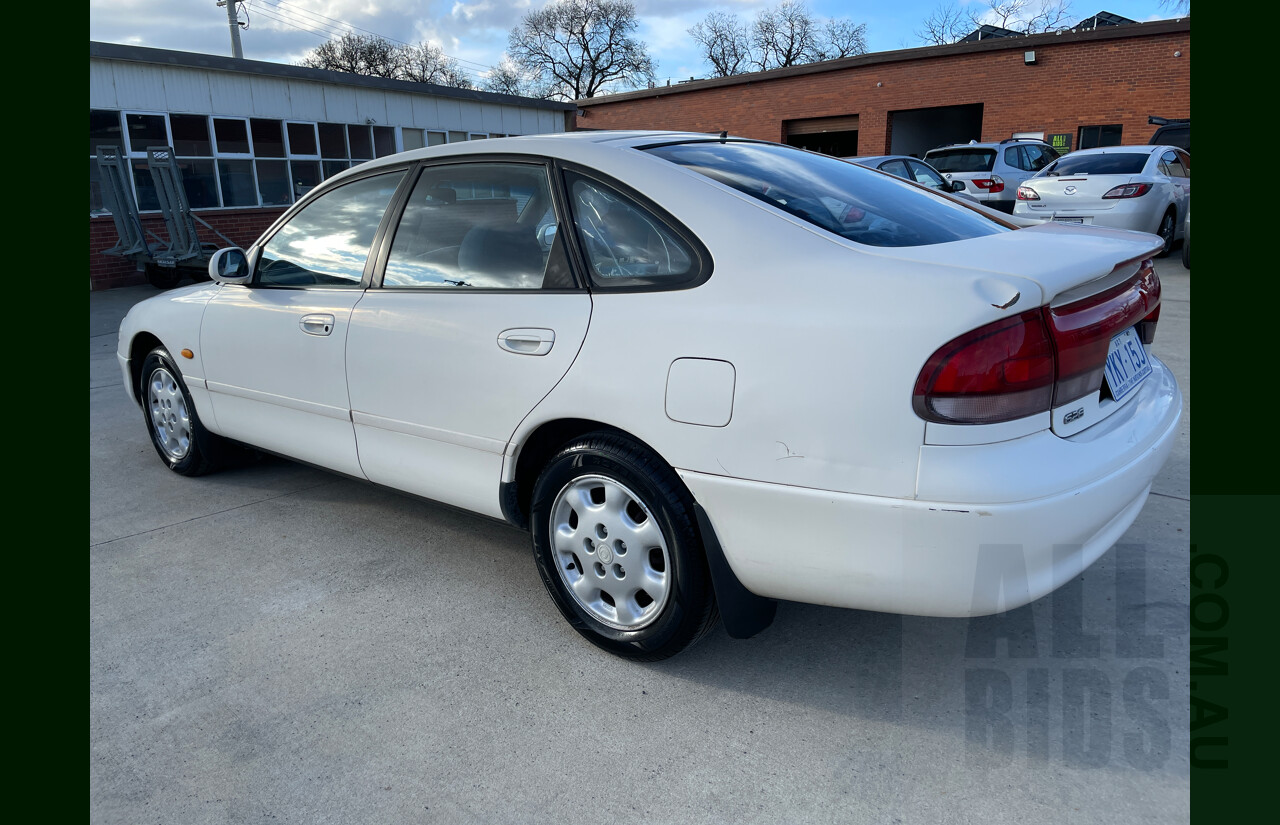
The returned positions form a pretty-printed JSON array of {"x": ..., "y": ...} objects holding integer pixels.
[
  {"x": 1145, "y": 188},
  {"x": 706, "y": 374}
]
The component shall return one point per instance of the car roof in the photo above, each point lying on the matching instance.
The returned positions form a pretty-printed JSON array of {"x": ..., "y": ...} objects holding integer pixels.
[
  {"x": 552, "y": 144},
  {"x": 989, "y": 144},
  {"x": 865, "y": 159},
  {"x": 1145, "y": 149}
]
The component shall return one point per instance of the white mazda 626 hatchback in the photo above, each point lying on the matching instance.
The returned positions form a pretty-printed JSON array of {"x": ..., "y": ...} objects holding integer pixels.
[{"x": 705, "y": 373}]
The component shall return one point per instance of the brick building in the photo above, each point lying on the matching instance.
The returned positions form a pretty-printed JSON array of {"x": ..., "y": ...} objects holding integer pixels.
[
  {"x": 1081, "y": 88},
  {"x": 251, "y": 137}
]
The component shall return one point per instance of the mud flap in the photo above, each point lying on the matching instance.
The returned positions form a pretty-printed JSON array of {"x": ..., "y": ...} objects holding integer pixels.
[{"x": 744, "y": 613}]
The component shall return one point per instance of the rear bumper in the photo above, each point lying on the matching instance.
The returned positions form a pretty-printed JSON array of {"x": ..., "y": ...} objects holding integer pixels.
[
  {"x": 972, "y": 543},
  {"x": 1131, "y": 214}
]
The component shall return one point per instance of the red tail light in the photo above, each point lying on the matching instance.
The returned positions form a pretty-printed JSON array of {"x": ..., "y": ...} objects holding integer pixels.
[
  {"x": 1032, "y": 362},
  {"x": 992, "y": 184},
  {"x": 998, "y": 372},
  {"x": 1082, "y": 330},
  {"x": 1026, "y": 193},
  {"x": 1127, "y": 190}
]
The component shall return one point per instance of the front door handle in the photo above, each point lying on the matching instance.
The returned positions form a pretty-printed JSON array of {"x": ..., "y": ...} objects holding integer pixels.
[
  {"x": 316, "y": 324},
  {"x": 527, "y": 341}
]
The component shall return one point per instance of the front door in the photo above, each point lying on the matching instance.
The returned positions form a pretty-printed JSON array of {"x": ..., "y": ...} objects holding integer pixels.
[{"x": 275, "y": 351}]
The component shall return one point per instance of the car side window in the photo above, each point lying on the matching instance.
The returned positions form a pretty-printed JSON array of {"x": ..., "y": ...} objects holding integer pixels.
[
  {"x": 1172, "y": 166},
  {"x": 1016, "y": 157},
  {"x": 1039, "y": 156},
  {"x": 895, "y": 167},
  {"x": 327, "y": 242},
  {"x": 624, "y": 243},
  {"x": 1185, "y": 157},
  {"x": 923, "y": 174},
  {"x": 479, "y": 226}
]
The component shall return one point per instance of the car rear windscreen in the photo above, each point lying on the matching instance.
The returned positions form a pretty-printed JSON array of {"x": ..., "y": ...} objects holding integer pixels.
[
  {"x": 1112, "y": 163},
  {"x": 843, "y": 198},
  {"x": 961, "y": 160}
]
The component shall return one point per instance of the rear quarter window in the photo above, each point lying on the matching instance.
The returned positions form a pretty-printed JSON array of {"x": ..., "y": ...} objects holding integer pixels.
[{"x": 845, "y": 199}]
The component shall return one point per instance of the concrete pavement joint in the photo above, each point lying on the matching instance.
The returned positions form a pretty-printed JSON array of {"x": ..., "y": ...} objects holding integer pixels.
[{"x": 217, "y": 512}]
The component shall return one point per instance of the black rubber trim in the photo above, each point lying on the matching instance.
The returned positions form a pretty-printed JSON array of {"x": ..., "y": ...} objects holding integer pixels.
[
  {"x": 508, "y": 500},
  {"x": 744, "y": 613}
]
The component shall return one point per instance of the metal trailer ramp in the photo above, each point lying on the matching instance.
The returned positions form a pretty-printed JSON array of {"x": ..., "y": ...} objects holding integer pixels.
[{"x": 165, "y": 264}]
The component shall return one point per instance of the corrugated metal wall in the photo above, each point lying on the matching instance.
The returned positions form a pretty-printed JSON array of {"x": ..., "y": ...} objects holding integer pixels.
[{"x": 152, "y": 88}]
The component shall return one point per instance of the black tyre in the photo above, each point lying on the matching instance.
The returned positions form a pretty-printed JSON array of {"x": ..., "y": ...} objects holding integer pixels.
[
  {"x": 1166, "y": 231},
  {"x": 1186, "y": 253},
  {"x": 618, "y": 549},
  {"x": 176, "y": 432},
  {"x": 162, "y": 277}
]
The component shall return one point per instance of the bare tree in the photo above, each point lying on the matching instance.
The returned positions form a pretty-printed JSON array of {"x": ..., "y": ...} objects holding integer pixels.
[
  {"x": 427, "y": 63},
  {"x": 725, "y": 43},
  {"x": 843, "y": 38},
  {"x": 356, "y": 54},
  {"x": 378, "y": 57},
  {"x": 1034, "y": 16},
  {"x": 582, "y": 47},
  {"x": 945, "y": 24},
  {"x": 785, "y": 35},
  {"x": 788, "y": 34},
  {"x": 509, "y": 79},
  {"x": 1181, "y": 8}
]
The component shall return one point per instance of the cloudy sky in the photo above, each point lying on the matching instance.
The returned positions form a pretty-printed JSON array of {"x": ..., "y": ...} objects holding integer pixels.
[{"x": 475, "y": 31}]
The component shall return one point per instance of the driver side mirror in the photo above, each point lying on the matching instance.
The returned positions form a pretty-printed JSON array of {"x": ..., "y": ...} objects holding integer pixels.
[
  {"x": 230, "y": 266},
  {"x": 547, "y": 235},
  {"x": 957, "y": 186}
]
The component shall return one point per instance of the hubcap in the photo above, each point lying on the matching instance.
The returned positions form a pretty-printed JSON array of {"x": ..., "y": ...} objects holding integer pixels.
[
  {"x": 170, "y": 420},
  {"x": 610, "y": 552}
]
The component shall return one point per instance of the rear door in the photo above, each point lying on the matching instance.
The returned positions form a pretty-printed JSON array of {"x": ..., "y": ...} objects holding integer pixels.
[{"x": 476, "y": 319}]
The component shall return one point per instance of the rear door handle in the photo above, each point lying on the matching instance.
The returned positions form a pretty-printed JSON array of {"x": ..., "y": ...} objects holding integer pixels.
[
  {"x": 316, "y": 324},
  {"x": 527, "y": 341}
]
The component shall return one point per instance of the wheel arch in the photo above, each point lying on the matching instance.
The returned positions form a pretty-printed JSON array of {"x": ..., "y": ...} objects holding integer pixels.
[
  {"x": 141, "y": 344},
  {"x": 536, "y": 448}
]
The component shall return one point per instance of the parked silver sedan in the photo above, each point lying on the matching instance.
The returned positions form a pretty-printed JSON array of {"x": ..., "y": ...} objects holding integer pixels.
[
  {"x": 905, "y": 166},
  {"x": 1145, "y": 188}
]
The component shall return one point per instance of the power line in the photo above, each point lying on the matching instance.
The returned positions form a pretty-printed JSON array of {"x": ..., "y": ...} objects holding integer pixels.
[
  {"x": 336, "y": 28},
  {"x": 286, "y": 22}
]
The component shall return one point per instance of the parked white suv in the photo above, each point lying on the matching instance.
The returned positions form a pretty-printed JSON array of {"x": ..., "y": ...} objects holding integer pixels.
[{"x": 992, "y": 172}]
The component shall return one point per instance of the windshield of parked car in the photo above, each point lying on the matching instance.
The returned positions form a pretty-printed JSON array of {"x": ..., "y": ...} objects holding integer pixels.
[
  {"x": 961, "y": 160},
  {"x": 843, "y": 198},
  {"x": 1111, "y": 163}
]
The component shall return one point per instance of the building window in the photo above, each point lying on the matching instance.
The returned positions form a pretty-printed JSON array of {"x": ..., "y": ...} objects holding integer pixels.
[
  {"x": 232, "y": 135},
  {"x": 1094, "y": 136},
  {"x": 361, "y": 143},
  {"x": 412, "y": 139},
  {"x": 191, "y": 135},
  {"x": 239, "y": 162}
]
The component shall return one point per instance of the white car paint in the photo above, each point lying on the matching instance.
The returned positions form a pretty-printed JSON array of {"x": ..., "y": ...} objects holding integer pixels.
[
  {"x": 1078, "y": 197},
  {"x": 821, "y": 482}
]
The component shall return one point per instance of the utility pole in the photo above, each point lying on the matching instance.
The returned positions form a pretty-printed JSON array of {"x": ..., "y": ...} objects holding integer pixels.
[{"x": 234, "y": 23}]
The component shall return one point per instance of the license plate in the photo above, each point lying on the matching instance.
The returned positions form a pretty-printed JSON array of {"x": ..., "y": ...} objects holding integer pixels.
[
  {"x": 1069, "y": 220},
  {"x": 1127, "y": 363}
]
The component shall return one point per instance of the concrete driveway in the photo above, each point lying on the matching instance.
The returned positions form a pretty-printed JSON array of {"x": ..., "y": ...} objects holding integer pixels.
[{"x": 277, "y": 643}]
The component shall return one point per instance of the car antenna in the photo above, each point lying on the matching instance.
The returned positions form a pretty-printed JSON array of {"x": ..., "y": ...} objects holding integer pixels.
[{"x": 724, "y": 135}]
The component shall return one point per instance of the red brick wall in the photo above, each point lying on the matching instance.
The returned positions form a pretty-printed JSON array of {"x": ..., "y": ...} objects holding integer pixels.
[
  {"x": 1080, "y": 83},
  {"x": 107, "y": 271}
]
